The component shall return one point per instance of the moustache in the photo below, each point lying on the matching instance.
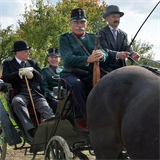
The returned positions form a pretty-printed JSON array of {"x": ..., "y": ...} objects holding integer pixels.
[
  {"x": 80, "y": 28},
  {"x": 116, "y": 22}
]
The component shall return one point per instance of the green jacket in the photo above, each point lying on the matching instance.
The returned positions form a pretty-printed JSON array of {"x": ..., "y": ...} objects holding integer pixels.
[
  {"x": 74, "y": 56},
  {"x": 48, "y": 82}
]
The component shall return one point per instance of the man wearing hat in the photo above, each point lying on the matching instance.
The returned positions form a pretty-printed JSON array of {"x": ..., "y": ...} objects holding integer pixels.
[
  {"x": 50, "y": 75},
  {"x": 114, "y": 41},
  {"x": 77, "y": 50},
  {"x": 14, "y": 70}
]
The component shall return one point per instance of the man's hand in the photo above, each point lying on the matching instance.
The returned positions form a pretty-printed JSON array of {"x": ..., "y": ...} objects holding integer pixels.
[
  {"x": 135, "y": 56},
  {"x": 26, "y": 72},
  {"x": 55, "y": 98},
  {"x": 123, "y": 55},
  {"x": 95, "y": 56}
]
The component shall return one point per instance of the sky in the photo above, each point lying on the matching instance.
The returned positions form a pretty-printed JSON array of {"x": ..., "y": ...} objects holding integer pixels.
[{"x": 135, "y": 13}]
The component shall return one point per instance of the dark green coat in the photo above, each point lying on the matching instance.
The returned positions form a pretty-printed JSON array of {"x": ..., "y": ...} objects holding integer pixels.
[
  {"x": 48, "y": 82},
  {"x": 74, "y": 55}
]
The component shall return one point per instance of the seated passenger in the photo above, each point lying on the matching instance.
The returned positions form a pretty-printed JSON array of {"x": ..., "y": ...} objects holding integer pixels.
[
  {"x": 14, "y": 70},
  {"x": 50, "y": 74},
  {"x": 75, "y": 56}
]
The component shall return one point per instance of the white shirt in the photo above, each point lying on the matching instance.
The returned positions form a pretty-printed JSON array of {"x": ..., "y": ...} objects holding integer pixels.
[
  {"x": 19, "y": 61},
  {"x": 113, "y": 29}
]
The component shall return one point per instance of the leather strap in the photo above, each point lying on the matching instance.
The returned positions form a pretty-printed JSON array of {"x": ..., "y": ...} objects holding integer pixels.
[
  {"x": 104, "y": 71},
  {"x": 81, "y": 44},
  {"x": 55, "y": 75}
]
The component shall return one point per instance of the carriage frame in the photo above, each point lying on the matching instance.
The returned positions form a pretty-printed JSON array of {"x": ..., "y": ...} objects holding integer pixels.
[{"x": 64, "y": 136}]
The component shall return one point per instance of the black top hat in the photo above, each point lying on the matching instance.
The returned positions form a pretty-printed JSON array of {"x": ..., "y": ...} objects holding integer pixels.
[
  {"x": 20, "y": 45},
  {"x": 112, "y": 9},
  {"x": 54, "y": 51},
  {"x": 78, "y": 14}
]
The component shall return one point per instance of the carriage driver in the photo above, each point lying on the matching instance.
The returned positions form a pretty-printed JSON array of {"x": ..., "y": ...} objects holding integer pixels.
[{"x": 75, "y": 56}]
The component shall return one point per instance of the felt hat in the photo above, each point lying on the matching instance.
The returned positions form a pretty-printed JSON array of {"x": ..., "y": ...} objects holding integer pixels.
[
  {"x": 20, "y": 45},
  {"x": 112, "y": 9}
]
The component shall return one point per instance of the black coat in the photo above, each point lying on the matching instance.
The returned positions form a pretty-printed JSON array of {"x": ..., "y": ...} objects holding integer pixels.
[
  {"x": 111, "y": 46},
  {"x": 11, "y": 75}
]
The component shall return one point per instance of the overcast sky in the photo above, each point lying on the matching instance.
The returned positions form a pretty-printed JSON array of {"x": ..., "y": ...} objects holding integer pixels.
[{"x": 135, "y": 12}]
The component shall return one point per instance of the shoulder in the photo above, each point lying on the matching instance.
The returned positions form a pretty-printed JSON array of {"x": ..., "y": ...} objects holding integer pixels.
[
  {"x": 34, "y": 64},
  {"x": 89, "y": 33},
  {"x": 104, "y": 29},
  {"x": 44, "y": 68},
  {"x": 32, "y": 61},
  {"x": 8, "y": 60},
  {"x": 122, "y": 32},
  {"x": 66, "y": 34}
]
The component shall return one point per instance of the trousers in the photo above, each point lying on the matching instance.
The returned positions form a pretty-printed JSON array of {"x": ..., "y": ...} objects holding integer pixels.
[
  {"x": 20, "y": 103},
  {"x": 79, "y": 91}
]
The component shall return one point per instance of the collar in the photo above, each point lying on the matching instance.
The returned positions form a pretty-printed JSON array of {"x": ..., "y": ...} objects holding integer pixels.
[
  {"x": 52, "y": 67},
  {"x": 18, "y": 60},
  {"x": 112, "y": 28}
]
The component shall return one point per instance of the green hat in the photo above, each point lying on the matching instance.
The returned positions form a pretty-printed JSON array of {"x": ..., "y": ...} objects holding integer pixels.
[{"x": 54, "y": 51}]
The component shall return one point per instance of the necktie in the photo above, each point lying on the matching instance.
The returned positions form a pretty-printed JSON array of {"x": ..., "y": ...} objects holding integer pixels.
[
  {"x": 23, "y": 64},
  {"x": 114, "y": 33}
]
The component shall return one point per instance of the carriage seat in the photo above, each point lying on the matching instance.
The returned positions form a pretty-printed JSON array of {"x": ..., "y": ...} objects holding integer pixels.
[{"x": 9, "y": 94}]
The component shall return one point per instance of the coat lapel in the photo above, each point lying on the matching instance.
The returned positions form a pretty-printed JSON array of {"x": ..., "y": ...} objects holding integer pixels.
[
  {"x": 15, "y": 64},
  {"x": 110, "y": 37},
  {"x": 119, "y": 39},
  {"x": 28, "y": 64}
]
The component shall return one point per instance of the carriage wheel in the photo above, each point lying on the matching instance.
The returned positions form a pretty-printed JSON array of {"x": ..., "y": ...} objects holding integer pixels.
[
  {"x": 3, "y": 144},
  {"x": 57, "y": 149}
]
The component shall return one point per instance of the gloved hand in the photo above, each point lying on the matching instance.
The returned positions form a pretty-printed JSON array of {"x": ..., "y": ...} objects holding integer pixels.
[{"x": 26, "y": 72}]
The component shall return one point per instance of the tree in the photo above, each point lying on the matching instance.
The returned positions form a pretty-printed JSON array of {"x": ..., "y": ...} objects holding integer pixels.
[
  {"x": 43, "y": 25},
  {"x": 7, "y": 38},
  {"x": 146, "y": 53}
]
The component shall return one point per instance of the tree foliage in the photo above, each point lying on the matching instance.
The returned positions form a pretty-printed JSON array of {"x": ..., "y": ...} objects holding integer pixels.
[
  {"x": 146, "y": 53},
  {"x": 7, "y": 37},
  {"x": 44, "y": 23}
]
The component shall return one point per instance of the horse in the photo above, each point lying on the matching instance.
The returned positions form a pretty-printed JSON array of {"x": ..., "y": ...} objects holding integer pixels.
[{"x": 123, "y": 112}]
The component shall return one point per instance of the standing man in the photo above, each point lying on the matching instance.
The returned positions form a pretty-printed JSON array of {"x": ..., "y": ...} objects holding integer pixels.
[
  {"x": 77, "y": 50},
  {"x": 50, "y": 75},
  {"x": 114, "y": 41},
  {"x": 14, "y": 70}
]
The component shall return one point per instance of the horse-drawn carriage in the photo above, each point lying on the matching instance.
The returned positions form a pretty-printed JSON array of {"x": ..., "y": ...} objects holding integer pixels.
[
  {"x": 51, "y": 135},
  {"x": 125, "y": 115}
]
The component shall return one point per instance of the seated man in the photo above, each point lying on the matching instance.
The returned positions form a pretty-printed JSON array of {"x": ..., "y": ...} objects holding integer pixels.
[
  {"x": 14, "y": 73},
  {"x": 50, "y": 74},
  {"x": 115, "y": 41},
  {"x": 77, "y": 50}
]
